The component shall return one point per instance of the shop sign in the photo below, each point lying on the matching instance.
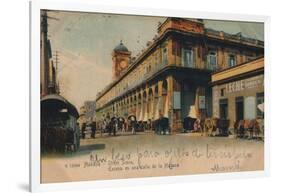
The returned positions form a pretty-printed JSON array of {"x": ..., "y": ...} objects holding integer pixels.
[
  {"x": 202, "y": 102},
  {"x": 177, "y": 100},
  {"x": 241, "y": 85}
]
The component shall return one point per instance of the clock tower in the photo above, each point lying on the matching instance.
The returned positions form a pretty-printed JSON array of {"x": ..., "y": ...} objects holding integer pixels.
[{"x": 120, "y": 57}]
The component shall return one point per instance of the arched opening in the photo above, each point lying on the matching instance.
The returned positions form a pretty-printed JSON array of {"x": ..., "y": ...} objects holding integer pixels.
[
  {"x": 139, "y": 109},
  {"x": 144, "y": 106},
  {"x": 139, "y": 98},
  {"x": 165, "y": 105},
  {"x": 150, "y": 104},
  {"x": 164, "y": 87},
  {"x": 156, "y": 103},
  {"x": 156, "y": 91}
]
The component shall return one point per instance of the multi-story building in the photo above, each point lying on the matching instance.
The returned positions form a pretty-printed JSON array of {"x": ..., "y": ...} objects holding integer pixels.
[{"x": 171, "y": 76}]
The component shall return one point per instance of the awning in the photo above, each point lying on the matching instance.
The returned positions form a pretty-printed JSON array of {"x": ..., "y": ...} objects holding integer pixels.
[{"x": 261, "y": 107}]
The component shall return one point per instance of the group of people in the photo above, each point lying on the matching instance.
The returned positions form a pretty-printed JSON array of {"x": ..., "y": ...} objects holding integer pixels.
[
  {"x": 112, "y": 125},
  {"x": 93, "y": 129}
]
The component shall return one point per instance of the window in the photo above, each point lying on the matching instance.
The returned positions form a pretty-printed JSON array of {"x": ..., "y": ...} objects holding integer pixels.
[
  {"x": 157, "y": 58},
  {"x": 260, "y": 102},
  {"x": 212, "y": 60},
  {"x": 187, "y": 57},
  {"x": 232, "y": 60},
  {"x": 164, "y": 56},
  {"x": 250, "y": 107},
  {"x": 148, "y": 68},
  {"x": 239, "y": 108},
  {"x": 223, "y": 108},
  {"x": 222, "y": 92}
]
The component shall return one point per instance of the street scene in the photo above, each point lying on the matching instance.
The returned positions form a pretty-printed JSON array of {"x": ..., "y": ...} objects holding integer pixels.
[{"x": 125, "y": 96}]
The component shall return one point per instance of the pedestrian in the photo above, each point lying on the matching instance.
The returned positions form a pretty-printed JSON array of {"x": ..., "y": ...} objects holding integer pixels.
[
  {"x": 83, "y": 130},
  {"x": 133, "y": 124},
  {"x": 93, "y": 128},
  {"x": 115, "y": 125},
  {"x": 124, "y": 125}
]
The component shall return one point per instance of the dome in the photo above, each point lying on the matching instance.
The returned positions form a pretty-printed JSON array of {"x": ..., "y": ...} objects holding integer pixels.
[{"x": 121, "y": 48}]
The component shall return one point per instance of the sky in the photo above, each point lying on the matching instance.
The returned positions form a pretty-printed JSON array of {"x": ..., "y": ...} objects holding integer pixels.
[{"x": 85, "y": 41}]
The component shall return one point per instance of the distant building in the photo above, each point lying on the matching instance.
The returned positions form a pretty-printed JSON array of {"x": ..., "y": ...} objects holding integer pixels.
[
  {"x": 87, "y": 112},
  {"x": 172, "y": 76},
  {"x": 90, "y": 110}
]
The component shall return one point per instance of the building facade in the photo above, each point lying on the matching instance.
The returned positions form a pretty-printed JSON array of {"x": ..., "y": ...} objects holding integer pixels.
[
  {"x": 172, "y": 76},
  {"x": 238, "y": 91},
  {"x": 48, "y": 72}
]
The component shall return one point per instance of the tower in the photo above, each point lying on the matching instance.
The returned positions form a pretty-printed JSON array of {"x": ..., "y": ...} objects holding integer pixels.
[{"x": 120, "y": 57}]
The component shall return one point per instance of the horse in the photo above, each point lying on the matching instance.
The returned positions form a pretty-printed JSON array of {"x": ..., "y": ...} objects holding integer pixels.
[
  {"x": 250, "y": 128},
  {"x": 259, "y": 129},
  {"x": 211, "y": 126}
]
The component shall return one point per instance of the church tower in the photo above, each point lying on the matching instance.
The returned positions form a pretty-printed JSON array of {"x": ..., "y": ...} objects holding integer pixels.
[{"x": 121, "y": 58}]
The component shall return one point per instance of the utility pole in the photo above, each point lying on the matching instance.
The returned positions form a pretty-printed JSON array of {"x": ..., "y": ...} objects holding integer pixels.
[
  {"x": 45, "y": 55},
  {"x": 56, "y": 60}
]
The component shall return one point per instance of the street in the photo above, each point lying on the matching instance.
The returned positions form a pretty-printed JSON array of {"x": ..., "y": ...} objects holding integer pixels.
[{"x": 147, "y": 154}]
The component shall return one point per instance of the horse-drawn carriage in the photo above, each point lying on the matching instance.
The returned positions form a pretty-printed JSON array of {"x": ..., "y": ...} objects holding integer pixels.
[
  {"x": 207, "y": 126},
  {"x": 216, "y": 127},
  {"x": 188, "y": 124},
  {"x": 250, "y": 129},
  {"x": 161, "y": 126},
  {"x": 59, "y": 128}
]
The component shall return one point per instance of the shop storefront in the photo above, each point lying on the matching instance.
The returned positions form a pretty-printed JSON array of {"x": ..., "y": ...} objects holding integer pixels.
[{"x": 238, "y": 91}]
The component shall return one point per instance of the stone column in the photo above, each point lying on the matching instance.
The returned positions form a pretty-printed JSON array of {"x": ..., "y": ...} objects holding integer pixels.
[
  {"x": 145, "y": 104},
  {"x": 139, "y": 106},
  {"x": 169, "y": 103},
  {"x": 160, "y": 99},
  {"x": 156, "y": 103},
  {"x": 200, "y": 113},
  {"x": 136, "y": 104},
  {"x": 151, "y": 103}
]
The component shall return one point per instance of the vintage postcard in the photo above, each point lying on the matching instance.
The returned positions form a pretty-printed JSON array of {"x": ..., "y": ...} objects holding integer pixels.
[{"x": 133, "y": 96}]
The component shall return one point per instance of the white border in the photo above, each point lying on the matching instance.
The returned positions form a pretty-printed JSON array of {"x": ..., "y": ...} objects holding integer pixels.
[{"x": 88, "y": 6}]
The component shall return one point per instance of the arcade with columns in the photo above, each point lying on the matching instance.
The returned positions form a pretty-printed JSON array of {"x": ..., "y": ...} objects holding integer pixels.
[{"x": 172, "y": 76}]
